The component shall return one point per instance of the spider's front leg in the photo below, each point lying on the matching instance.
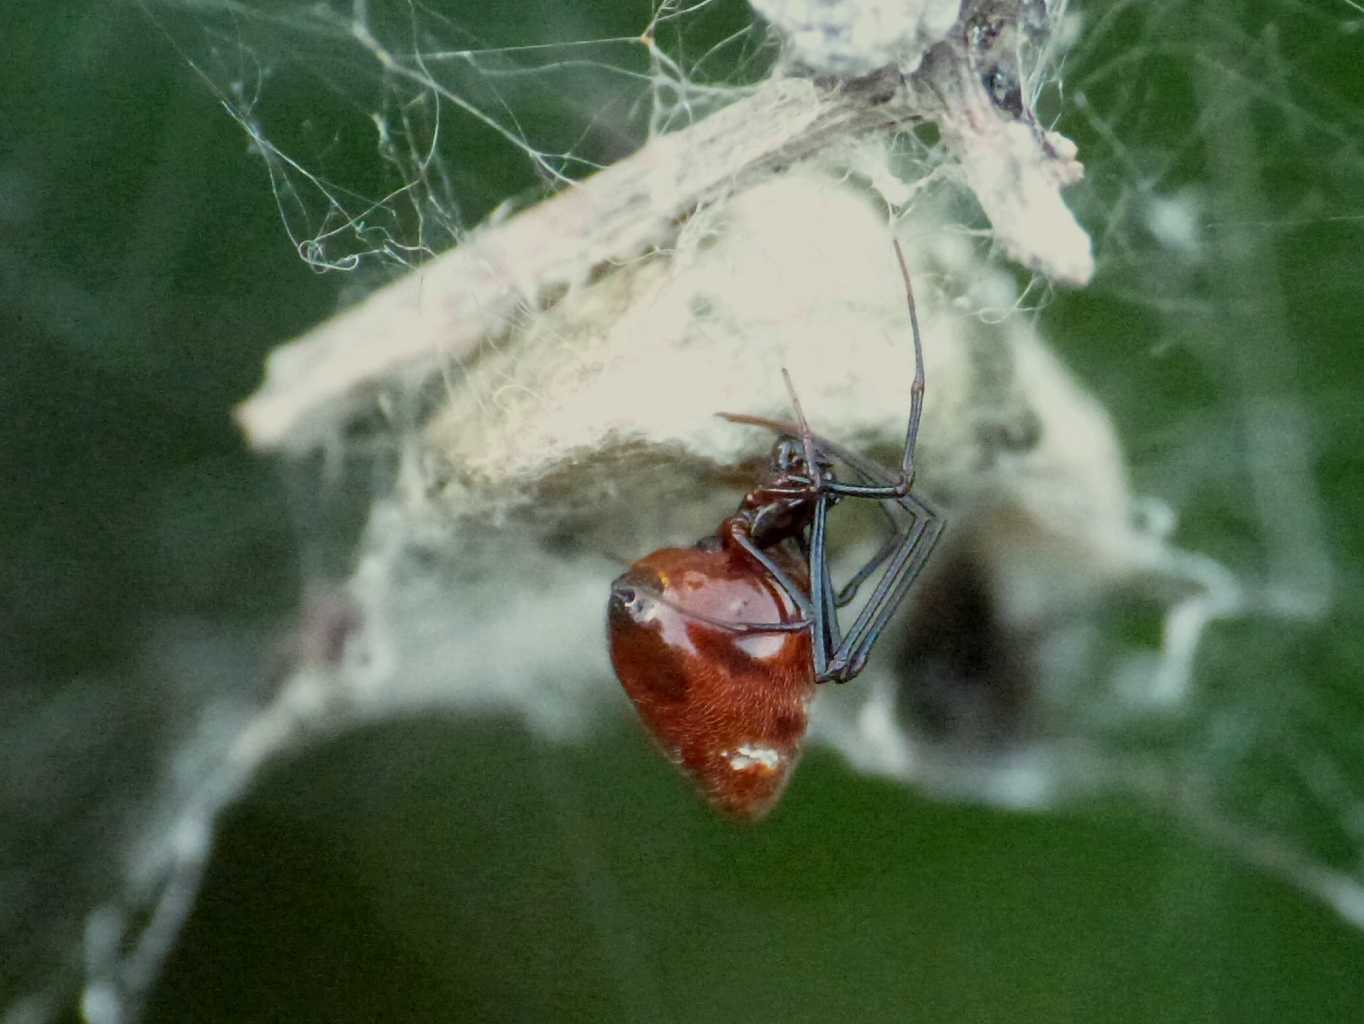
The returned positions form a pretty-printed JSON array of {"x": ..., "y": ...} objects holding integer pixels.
[{"x": 905, "y": 564}]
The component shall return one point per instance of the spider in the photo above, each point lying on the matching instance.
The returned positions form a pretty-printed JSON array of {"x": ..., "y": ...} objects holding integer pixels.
[{"x": 720, "y": 645}]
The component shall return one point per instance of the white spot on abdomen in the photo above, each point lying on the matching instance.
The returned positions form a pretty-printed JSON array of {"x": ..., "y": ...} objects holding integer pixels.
[{"x": 752, "y": 756}]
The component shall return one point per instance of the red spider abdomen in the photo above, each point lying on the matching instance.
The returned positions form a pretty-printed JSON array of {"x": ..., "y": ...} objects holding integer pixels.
[{"x": 730, "y": 708}]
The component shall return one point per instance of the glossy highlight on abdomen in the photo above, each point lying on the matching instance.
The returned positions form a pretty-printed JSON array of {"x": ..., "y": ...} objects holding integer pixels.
[{"x": 729, "y": 707}]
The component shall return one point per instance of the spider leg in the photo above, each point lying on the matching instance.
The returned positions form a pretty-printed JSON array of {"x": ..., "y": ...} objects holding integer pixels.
[
  {"x": 904, "y": 568},
  {"x": 916, "y": 389},
  {"x": 826, "y": 638},
  {"x": 779, "y": 574},
  {"x": 868, "y": 469},
  {"x": 876, "y": 492},
  {"x": 794, "y": 626},
  {"x": 806, "y": 437},
  {"x": 893, "y": 540},
  {"x": 871, "y": 471},
  {"x": 906, "y": 549}
]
